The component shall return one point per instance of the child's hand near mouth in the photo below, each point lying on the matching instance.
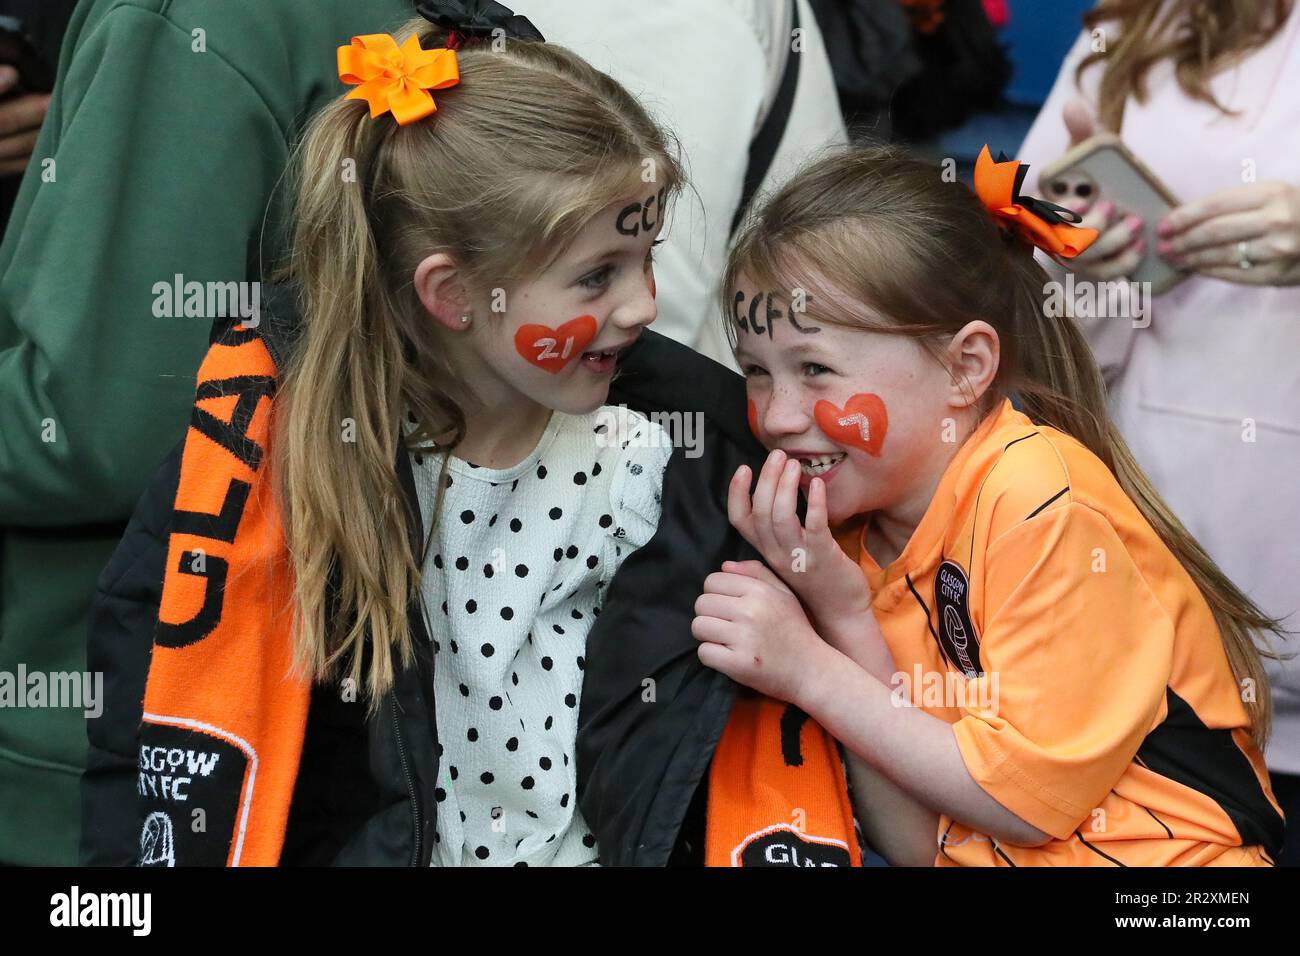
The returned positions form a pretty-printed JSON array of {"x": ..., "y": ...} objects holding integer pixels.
[{"x": 808, "y": 559}]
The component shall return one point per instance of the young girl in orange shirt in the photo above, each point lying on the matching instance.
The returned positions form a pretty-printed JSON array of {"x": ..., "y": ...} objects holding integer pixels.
[{"x": 1028, "y": 659}]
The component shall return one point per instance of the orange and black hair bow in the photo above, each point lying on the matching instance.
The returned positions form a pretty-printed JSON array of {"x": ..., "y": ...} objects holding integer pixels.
[{"x": 1046, "y": 225}]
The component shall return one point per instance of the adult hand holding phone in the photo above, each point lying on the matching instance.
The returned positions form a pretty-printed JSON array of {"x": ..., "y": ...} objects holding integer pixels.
[
  {"x": 1120, "y": 247},
  {"x": 1248, "y": 234}
]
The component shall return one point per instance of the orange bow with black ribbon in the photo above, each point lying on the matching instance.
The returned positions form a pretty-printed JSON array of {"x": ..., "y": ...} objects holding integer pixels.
[
  {"x": 396, "y": 79},
  {"x": 1046, "y": 225}
]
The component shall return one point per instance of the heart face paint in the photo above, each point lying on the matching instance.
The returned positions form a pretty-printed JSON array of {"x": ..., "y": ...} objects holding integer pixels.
[
  {"x": 753, "y": 420},
  {"x": 862, "y": 422},
  {"x": 552, "y": 349}
]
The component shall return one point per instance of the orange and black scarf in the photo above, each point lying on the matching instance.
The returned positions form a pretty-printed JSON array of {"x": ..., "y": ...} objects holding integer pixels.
[
  {"x": 224, "y": 721},
  {"x": 223, "y": 724}
]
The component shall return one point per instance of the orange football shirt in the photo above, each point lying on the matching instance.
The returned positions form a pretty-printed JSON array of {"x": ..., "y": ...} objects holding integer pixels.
[{"x": 1037, "y": 611}]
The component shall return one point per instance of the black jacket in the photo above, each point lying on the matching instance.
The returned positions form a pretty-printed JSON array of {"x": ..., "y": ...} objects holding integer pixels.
[{"x": 365, "y": 788}]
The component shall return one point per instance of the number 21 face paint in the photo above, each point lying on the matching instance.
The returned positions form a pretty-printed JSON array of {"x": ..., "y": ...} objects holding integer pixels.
[
  {"x": 552, "y": 349},
  {"x": 861, "y": 423}
]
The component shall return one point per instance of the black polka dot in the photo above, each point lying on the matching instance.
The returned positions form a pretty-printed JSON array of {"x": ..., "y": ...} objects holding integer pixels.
[
  {"x": 471, "y": 605},
  {"x": 454, "y": 774},
  {"x": 482, "y": 853},
  {"x": 564, "y": 802},
  {"x": 495, "y": 703},
  {"x": 455, "y": 648},
  {"x": 576, "y": 614},
  {"x": 589, "y": 841},
  {"x": 467, "y": 516},
  {"x": 547, "y": 664},
  {"x": 582, "y": 663},
  {"x": 606, "y": 521},
  {"x": 507, "y": 613},
  {"x": 528, "y": 783},
  {"x": 444, "y": 611},
  {"x": 492, "y": 521},
  {"x": 512, "y": 744},
  {"x": 555, "y": 513},
  {"x": 487, "y": 571},
  {"x": 462, "y": 563},
  {"x": 559, "y": 553},
  {"x": 541, "y": 471},
  {"x": 572, "y": 551},
  {"x": 549, "y": 721},
  {"x": 437, "y": 561},
  {"x": 521, "y": 570},
  {"x": 557, "y": 629},
  {"x": 447, "y": 482},
  {"x": 570, "y": 700},
  {"x": 544, "y": 763},
  {"x": 486, "y": 776},
  {"x": 440, "y": 794},
  {"x": 464, "y": 691},
  {"x": 592, "y": 561},
  {"x": 514, "y": 679},
  {"x": 595, "y": 469},
  {"x": 580, "y": 478},
  {"x": 488, "y": 650},
  {"x": 473, "y": 735},
  {"x": 516, "y": 525}
]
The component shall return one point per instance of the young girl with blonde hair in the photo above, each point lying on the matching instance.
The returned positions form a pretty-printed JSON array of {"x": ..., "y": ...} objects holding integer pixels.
[
  {"x": 403, "y": 487},
  {"x": 1027, "y": 656}
]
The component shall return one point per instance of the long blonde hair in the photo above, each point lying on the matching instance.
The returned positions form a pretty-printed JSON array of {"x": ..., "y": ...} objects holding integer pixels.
[
  {"x": 1201, "y": 37},
  {"x": 883, "y": 228},
  {"x": 520, "y": 155}
]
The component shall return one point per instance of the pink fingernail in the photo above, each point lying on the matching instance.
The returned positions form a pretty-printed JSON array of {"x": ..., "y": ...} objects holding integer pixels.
[
  {"x": 1165, "y": 247},
  {"x": 1134, "y": 223},
  {"x": 1140, "y": 245},
  {"x": 1164, "y": 228}
]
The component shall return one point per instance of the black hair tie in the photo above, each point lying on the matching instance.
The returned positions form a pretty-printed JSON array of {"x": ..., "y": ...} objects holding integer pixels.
[{"x": 477, "y": 20}]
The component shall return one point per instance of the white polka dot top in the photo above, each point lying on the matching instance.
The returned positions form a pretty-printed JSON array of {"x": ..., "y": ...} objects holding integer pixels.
[{"x": 514, "y": 579}]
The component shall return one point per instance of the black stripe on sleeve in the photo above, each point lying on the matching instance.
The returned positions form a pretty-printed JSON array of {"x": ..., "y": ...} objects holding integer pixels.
[
  {"x": 1095, "y": 850},
  {"x": 1048, "y": 502}
]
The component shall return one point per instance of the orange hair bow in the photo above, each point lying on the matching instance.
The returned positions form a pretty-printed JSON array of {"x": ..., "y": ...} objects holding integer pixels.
[
  {"x": 1048, "y": 226},
  {"x": 396, "y": 79}
]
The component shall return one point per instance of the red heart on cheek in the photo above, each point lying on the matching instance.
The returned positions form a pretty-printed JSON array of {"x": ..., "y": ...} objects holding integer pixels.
[
  {"x": 862, "y": 422},
  {"x": 552, "y": 349},
  {"x": 753, "y": 419}
]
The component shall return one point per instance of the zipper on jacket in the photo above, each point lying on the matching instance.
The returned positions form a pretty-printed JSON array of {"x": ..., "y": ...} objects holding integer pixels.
[{"x": 410, "y": 784}]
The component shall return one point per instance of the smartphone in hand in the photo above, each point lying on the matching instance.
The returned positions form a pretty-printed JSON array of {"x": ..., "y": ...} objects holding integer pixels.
[{"x": 1101, "y": 168}]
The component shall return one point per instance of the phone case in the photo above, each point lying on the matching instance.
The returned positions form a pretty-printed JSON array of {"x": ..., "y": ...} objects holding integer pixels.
[{"x": 1102, "y": 167}]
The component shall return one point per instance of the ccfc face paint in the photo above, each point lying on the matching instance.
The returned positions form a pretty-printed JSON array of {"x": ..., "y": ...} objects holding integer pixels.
[
  {"x": 861, "y": 423},
  {"x": 552, "y": 349}
]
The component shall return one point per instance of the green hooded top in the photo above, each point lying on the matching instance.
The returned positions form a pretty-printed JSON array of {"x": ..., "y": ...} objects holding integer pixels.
[{"x": 168, "y": 133}]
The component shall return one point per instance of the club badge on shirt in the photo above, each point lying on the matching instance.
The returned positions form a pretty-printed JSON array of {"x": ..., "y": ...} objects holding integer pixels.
[{"x": 956, "y": 633}]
